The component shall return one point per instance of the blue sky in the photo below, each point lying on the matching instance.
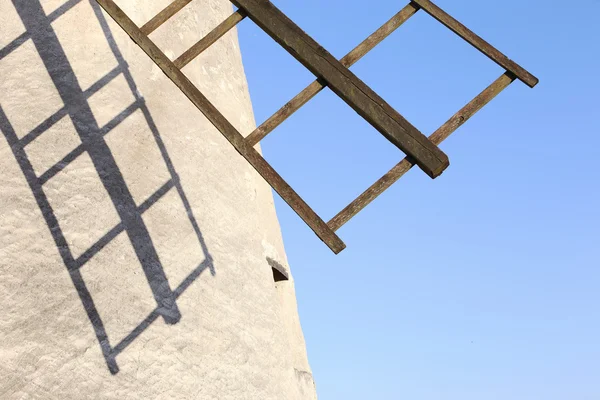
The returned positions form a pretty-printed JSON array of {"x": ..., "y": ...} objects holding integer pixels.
[{"x": 484, "y": 282}]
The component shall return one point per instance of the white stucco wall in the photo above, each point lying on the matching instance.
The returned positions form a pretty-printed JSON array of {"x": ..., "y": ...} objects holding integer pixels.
[{"x": 134, "y": 240}]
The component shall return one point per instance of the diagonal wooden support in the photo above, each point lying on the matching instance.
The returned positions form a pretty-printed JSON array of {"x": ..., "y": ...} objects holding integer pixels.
[
  {"x": 346, "y": 85},
  {"x": 220, "y": 122},
  {"x": 406, "y": 164},
  {"x": 477, "y": 42},
  {"x": 317, "y": 86},
  {"x": 330, "y": 73},
  {"x": 209, "y": 39},
  {"x": 163, "y": 16}
]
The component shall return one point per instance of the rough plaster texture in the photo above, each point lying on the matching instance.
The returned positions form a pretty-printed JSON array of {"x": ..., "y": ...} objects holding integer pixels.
[{"x": 135, "y": 244}]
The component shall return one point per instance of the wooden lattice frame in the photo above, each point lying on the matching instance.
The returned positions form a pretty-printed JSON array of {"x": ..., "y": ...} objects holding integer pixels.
[{"x": 330, "y": 72}]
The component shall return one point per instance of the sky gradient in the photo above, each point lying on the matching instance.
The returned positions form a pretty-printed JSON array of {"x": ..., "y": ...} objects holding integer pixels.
[{"x": 482, "y": 283}]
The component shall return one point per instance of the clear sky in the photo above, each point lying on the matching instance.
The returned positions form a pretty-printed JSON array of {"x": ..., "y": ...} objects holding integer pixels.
[{"x": 483, "y": 283}]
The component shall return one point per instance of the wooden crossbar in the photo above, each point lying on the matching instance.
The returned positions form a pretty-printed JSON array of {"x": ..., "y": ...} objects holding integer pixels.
[
  {"x": 163, "y": 16},
  {"x": 437, "y": 137},
  {"x": 225, "y": 127},
  {"x": 317, "y": 86},
  {"x": 330, "y": 72},
  {"x": 346, "y": 85},
  {"x": 477, "y": 42},
  {"x": 209, "y": 39}
]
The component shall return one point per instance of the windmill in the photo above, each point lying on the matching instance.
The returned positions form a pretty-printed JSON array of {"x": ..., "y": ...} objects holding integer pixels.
[{"x": 331, "y": 73}]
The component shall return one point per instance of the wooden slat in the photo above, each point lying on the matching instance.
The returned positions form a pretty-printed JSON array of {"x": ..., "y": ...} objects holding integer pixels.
[
  {"x": 406, "y": 164},
  {"x": 225, "y": 127},
  {"x": 377, "y": 37},
  {"x": 346, "y": 85},
  {"x": 317, "y": 86},
  {"x": 163, "y": 16},
  {"x": 209, "y": 39},
  {"x": 477, "y": 42}
]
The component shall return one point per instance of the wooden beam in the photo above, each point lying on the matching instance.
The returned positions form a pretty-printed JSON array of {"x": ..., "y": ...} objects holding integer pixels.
[
  {"x": 163, "y": 16},
  {"x": 225, "y": 127},
  {"x": 346, "y": 85},
  {"x": 377, "y": 37},
  {"x": 406, "y": 164},
  {"x": 317, "y": 86},
  {"x": 477, "y": 42},
  {"x": 209, "y": 39}
]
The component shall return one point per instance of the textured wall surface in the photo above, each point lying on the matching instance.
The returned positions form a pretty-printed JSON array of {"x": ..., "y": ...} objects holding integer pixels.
[{"x": 136, "y": 245}]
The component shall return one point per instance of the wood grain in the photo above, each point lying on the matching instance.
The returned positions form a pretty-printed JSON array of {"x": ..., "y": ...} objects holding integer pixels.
[
  {"x": 406, "y": 164},
  {"x": 225, "y": 127},
  {"x": 209, "y": 39},
  {"x": 477, "y": 42},
  {"x": 163, "y": 16},
  {"x": 347, "y": 86},
  {"x": 317, "y": 86}
]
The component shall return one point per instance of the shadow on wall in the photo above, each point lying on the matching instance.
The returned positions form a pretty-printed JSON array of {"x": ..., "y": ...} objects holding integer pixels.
[{"x": 76, "y": 106}]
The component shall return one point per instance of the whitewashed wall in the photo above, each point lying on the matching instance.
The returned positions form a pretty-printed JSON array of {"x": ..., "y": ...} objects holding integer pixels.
[{"x": 135, "y": 244}]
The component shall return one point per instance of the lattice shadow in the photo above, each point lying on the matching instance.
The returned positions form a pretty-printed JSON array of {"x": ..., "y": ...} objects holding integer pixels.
[{"x": 76, "y": 105}]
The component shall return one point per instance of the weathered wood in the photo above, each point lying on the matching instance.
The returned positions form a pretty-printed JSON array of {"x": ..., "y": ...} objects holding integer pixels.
[
  {"x": 317, "y": 86},
  {"x": 163, "y": 16},
  {"x": 225, "y": 127},
  {"x": 209, "y": 39},
  {"x": 377, "y": 37},
  {"x": 477, "y": 42},
  {"x": 406, "y": 164},
  {"x": 346, "y": 85},
  {"x": 285, "y": 112}
]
